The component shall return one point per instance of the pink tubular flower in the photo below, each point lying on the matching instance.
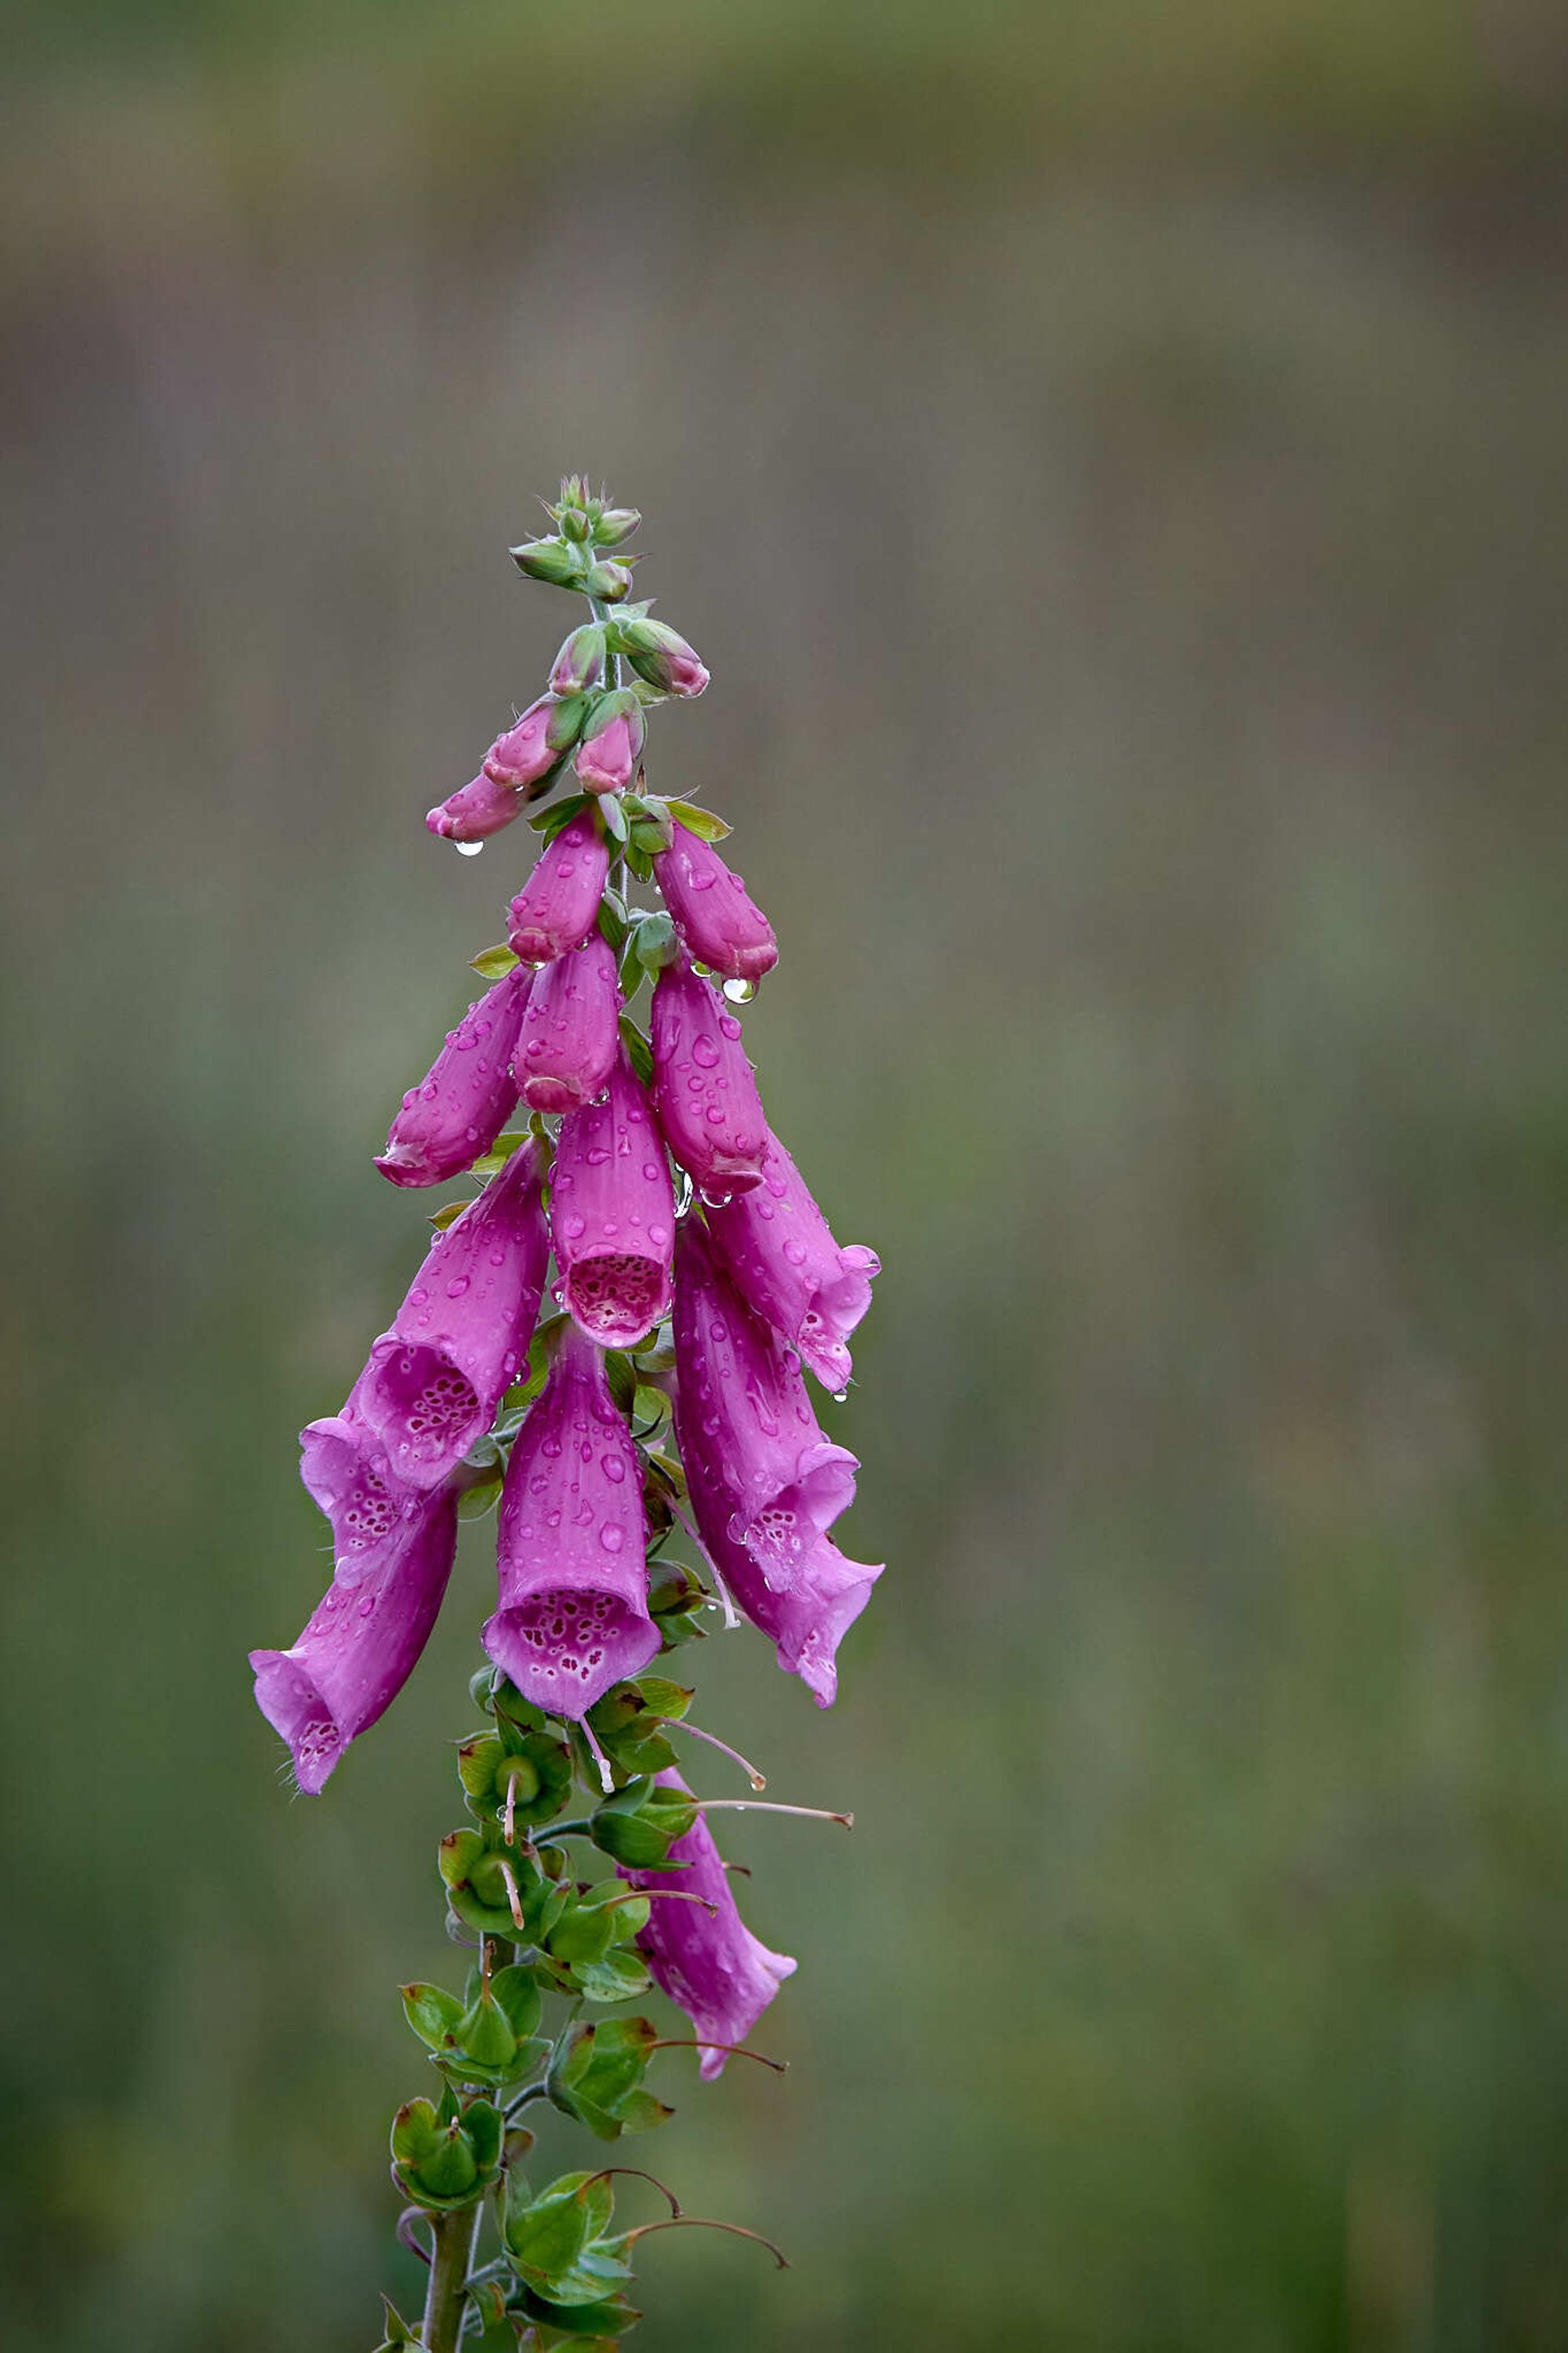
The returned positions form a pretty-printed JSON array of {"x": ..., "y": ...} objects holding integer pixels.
[
  {"x": 662, "y": 656},
  {"x": 709, "y": 1964},
  {"x": 344, "y": 1467},
  {"x": 572, "y": 1615},
  {"x": 707, "y": 1103},
  {"x": 502, "y": 791},
  {"x": 612, "y": 1214},
  {"x": 466, "y": 1097},
  {"x": 717, "y": 922},
  {"x": 433, "y": 1383},
  {"x": 571, "y": 1035},
  {"x": 556, "y": 909},
  {"x": 744, "y": 1399},
  {"x": 612, "y": 743},
  {"x": 361, "y": 1643},
  {"x": 786, "y": 1265}
]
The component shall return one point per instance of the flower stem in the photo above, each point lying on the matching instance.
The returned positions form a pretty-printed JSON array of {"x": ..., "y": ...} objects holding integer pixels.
[{"x": 454, "y": 2235}]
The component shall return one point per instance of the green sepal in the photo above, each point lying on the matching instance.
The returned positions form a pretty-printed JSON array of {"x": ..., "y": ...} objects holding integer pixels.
[
  {"x": 521, "y": 1394},
  {"x": 494, "y": 964},
  {"x": 656, "y": 942},
  {"x": 675, "y": 1595},
  {"x": 621, "y": 1375},
  {"x": 638, "y": 858},
  {"x": 491, "y": 1163},
  {"x": 432, "y": 2012},
  {"x": 471, "y": 1863},
  {"x": 613, "y": 925},
  {"x": 639, "y": 1053},
  {"x": 558, "y": 816},
  {"x": 650, "y": 1405},
  {"x": 620, "y": 1976},
  {"x": 641, "y": 1823},
  {"x": 614, "y": 818},
  {"x": 447, "y": 1215},
  {"x": 445, "y": 2156},
  {"x": 596, "y": 2076},
  {"x": 483, "y": 1497},
  {"x": 538, "y": 1766},
  {"x": 601, "y": 2325},
  {"x": 700, "y": 821}
]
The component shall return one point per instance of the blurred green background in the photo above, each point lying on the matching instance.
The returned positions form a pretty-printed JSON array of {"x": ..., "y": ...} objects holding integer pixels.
[{"x": 1112, "y": 458}]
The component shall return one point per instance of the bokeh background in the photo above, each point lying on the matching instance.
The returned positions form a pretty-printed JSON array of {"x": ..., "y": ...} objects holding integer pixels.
[{"x": 1111, "y": 457}]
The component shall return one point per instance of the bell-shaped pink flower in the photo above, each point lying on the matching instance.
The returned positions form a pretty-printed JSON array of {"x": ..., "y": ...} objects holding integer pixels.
[
  {"x": 361, "y": 1643},
  {"x": 515, "y": 762},
  {"x": 717, "y": 922},
  {"x": 344, "y": 1465},
  {"x": 786, "y": 1265},
  {"x": 612, "y": 743},
  {"x": 612, "y": 1214},
  {"x": 572, "y": 1617},
  {"x": 524, "y": 755},
  {"x": 555, "y": 909},
  {"x": 466, "y": 1097},
  {"x": 709, "y": 1963},
  {"x": 571, "y": 1032},
  {"x": 433, "y": 1380},
  {"x": 785, "y": 1482},
  {"x": 708, "y": 1106}
]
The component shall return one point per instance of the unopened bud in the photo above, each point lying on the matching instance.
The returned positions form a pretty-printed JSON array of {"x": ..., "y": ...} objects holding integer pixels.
[
  {"x": 611, "y": 743},
  {"x": 580, "y": 664},
  {"x": 608, "y": 582},
  {"x": 615, "y": 524},
  {"x": 551, "y": 560},
  {"x": 661, "y": 656}
]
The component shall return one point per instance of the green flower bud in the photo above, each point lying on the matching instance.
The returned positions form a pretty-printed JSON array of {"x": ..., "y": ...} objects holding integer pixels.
[
  {"x": 551, "y": 560},
  {"x": 613, "y": 524},
  {"x": 608, "y": 582}
]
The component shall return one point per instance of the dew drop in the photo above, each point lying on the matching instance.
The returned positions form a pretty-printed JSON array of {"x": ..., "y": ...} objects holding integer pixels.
[
  {"x": 468, "y": 848},
  {"x": 611, "y": 1536}
]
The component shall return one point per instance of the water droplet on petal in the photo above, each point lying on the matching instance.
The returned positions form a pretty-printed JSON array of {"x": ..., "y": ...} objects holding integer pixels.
[{"x": 468, "y": 848}]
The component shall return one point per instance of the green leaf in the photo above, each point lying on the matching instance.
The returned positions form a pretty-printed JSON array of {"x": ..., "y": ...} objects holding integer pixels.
[
  {"x": 700, "y": 821},
  {"x": 622, "y": 1379},
  {"x": 610, "y": 2320},
  {"x": 447, "y": 1215},
  {"x": 494, "y": 964},
  {"x": 612, "y": 924},
  {"x": 649, "y": 1403},
  {"x": 398, "y": 2329},
  {"x": 614, "y": 816}
]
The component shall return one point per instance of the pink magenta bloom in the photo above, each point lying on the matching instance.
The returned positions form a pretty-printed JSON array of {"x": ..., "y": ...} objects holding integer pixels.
[
  {"x": 786, "y": 1265},
  {"x": 609, "y": 752},
  {"x": 708, "y": 1106},
  {"x": 344, "y": 1465},
  {"x": 717, "y": 922},
  {"x": 556, "y": 909},
  {"x": 572, "y": 1615},
  {"x": 571, "y": 1032},
  {"x": 433, "y": 1383},
  {"x": 709, "y": 1964},
  {"x": 741, "y": 1390},
  {"x": 521, "y": 758},
  {"x": 466, "y": 1097},
  {"x": 361, "y": 1643},
  {"x": 612, "y": 1214}
]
